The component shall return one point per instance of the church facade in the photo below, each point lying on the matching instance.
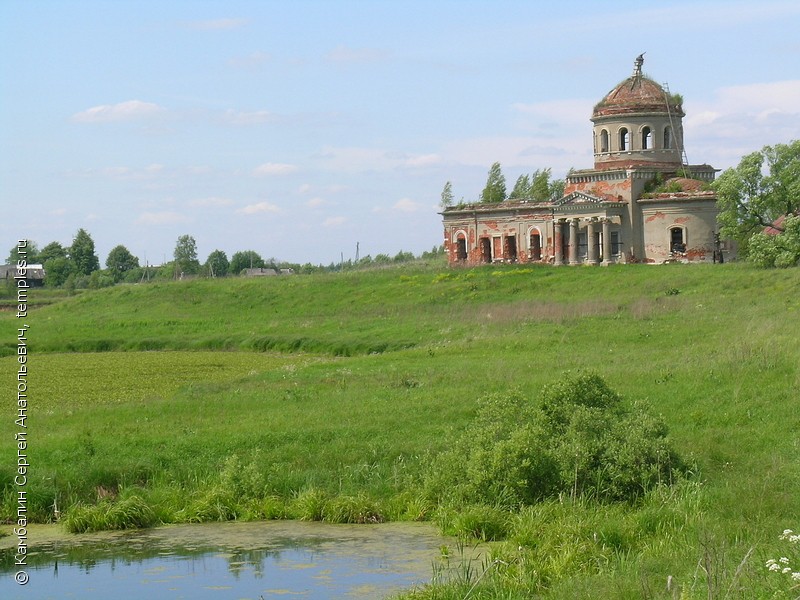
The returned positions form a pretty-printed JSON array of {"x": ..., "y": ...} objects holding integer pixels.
[{"x": 640, "y": 203}]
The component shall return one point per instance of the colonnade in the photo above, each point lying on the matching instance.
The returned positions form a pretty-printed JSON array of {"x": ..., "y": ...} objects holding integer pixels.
[{"x": 591, "y": 255}]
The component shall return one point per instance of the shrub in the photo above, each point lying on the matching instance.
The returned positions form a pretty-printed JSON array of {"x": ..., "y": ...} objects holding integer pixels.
[{"x": 581, "y": 439}]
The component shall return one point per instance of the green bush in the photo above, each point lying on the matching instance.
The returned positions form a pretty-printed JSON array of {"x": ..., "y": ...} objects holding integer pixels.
[{"x": 581, "y": 440}]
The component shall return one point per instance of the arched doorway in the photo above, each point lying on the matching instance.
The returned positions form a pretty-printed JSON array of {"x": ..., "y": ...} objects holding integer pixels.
[{"x": 535, "y": 245}]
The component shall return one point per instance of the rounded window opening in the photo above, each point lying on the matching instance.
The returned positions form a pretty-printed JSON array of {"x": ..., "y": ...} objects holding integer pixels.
[
  {"x": 677, "y": 240},
  {"x": 604, "y": 141},
  {"x": 667, "y": 138},
  {"x": 624, "y": 139},
  {"x": 647, "y": 138}
]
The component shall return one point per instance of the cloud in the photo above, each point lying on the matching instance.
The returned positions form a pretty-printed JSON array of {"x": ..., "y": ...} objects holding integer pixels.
[
  {"x": 344, "y": 54},
  {"x": 210, "y": 202},
  {"x": 131, "y": 110},
  {"x": 406, "y": 205},
  {"x": 527, "y": 152},
  {"x": 334, "y": 221},
  {"x": 356, "y": 159},
  {"x": 236, "y": 117},
  {"x": 268, "y": 169},
  {"x": 261, "y": 207},
  {"x": 741, "y": 119},
  {"x": 423, "y": 160},
  {"x": 161, "y": 218},
  {"x": 217, "y": 24},
  {"x": 316, "y": 202}
]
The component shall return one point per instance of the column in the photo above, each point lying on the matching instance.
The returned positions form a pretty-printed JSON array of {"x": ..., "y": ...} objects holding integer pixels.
[
  {"x": 558, "y": 242},
  {"x": 606, "y": 242},
  {"x": 592, "y": 246},
  {"x": 573, "y": 241}
]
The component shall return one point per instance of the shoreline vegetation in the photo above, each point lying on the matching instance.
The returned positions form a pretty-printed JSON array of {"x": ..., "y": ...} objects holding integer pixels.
[{"x": 424, "y": 393}]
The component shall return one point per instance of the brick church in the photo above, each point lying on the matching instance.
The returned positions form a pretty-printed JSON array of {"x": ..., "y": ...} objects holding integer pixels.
[{"x": 640, "y": 202}]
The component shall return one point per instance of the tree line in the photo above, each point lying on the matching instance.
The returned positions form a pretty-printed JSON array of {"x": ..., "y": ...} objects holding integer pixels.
[{"x": 78, "y": 266}]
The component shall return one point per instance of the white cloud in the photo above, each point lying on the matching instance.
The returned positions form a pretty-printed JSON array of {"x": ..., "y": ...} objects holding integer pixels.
[
  {"x": 161, "y": 218},
  {"x": 274, "y": 169},
  {"x": 344, "y": 54},
  {"x": 334, "y": 221},
  {"x": 529, "y": 153},
  {"x": 316, "y": 202},
  {"x": 261, "y": 207},
  {"x": 741, "y": 119},
  {"x": 423, "y": 160},
  {"x": 210, "y": 202},
  {"x": 358, "y": 159},
  {"x": 406, "y": 205},
  {"x": 217, "y": 24},
  {"x": 124, "y": 111}
]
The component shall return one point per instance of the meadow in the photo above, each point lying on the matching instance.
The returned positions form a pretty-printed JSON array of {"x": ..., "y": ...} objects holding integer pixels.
[{"x": 330, "y": 396}]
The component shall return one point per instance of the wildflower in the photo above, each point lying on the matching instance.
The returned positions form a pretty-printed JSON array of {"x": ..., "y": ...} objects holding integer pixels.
[
  {"x": 796, "y": 576},
  {"x": 784, "y": 560},
  {"x": 774, "y": 567},
  {"x": 786, "y": 570}
]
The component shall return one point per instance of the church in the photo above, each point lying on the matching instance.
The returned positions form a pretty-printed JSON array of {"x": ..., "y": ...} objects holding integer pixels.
[{"x": 640, "y": 203}]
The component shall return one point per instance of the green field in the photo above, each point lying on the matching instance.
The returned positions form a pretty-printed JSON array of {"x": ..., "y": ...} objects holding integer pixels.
[{"x": 329, "y": 397}]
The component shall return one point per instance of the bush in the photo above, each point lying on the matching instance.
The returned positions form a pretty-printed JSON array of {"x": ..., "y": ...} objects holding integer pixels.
[{"x": 580, "y": 440}]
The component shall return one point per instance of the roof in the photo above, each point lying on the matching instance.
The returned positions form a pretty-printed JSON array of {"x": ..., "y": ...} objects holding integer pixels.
[{"x": 635, "y": 94}]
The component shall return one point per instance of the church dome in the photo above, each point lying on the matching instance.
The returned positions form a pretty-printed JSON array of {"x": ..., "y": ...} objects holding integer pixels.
[
  {"x": 638, "y": 124},
  {"x": 638, "y": 94}
]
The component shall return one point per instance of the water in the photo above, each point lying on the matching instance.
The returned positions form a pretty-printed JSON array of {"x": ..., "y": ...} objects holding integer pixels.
[{"x": 283, "y": 559}]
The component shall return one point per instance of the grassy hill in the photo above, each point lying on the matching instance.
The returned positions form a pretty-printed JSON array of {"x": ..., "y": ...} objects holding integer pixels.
[{"x": 327, "y": 396}]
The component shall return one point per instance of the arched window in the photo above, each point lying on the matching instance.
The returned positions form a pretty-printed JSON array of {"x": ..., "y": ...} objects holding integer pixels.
[
  {"x": 647, "y": 138},
  {"x": 667, "y": 138},
  {"x": 677, "y": 240},
  {"x": 604, "y": 141},
  {"x": 624, "y": 140}
]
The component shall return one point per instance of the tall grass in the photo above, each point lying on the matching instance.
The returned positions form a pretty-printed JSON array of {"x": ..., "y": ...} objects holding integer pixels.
[{"x": 326, "y": 397}]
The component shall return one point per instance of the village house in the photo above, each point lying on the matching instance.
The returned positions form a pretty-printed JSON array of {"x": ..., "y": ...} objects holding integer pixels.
[
  {"x": 641, "y": 202},
  {"x": 34, "y": 274}
]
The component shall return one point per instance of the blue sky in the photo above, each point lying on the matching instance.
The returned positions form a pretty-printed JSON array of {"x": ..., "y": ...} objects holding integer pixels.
[{"x": 300, "y": 128}]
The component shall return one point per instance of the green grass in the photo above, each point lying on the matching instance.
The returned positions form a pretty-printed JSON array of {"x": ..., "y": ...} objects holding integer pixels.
[{"x": 326, "y": 396}]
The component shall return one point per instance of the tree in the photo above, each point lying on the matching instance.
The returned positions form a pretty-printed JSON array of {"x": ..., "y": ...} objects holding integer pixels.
[
  {"x": 495, "y": 190},
  {"x": 764, "y": 187},
  {"x": 52, "y": 250},
  {"x": 540, "y": 185},
  {"x": 31, "y": 253},
  {"x": 522, "y": 188},
  {"x": 82, "y": 255},
  {"x": 248, "y": 259},
  {"x": 58, "y": 270},
  {"x": 186, "y": 255},
  {"x": 773, "y": 249},
  {"x": 537, "y": 187},
  {"x": 119, "y": 262},
  {"x": 217, "y": 264},
  {"x": 447, "y": 195}
]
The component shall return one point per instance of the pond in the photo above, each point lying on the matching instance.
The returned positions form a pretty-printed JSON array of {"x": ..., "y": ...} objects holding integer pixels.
[{"x": 277, "y": 559}]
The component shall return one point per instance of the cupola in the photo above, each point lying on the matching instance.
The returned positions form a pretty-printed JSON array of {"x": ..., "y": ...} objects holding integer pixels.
[{"x": 638, "y": 123}]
